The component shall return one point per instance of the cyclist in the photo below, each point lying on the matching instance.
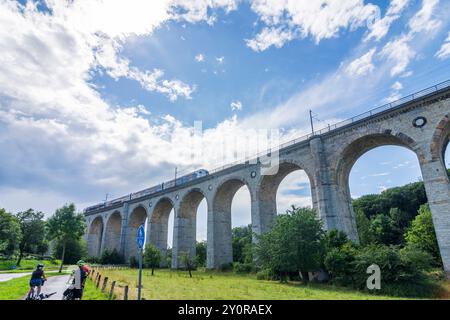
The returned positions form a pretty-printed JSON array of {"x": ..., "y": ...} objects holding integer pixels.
[
  {"x": 37, "y": 280},
  {"x": 80, "y": 276}
]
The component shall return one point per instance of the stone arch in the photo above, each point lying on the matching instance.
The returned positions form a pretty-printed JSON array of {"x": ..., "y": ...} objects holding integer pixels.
[
  {"x": 113, "y": 231},
  {"x": 268, "y": 186},
  {"x": 190, "y": 202},
  {"x": 359, "y": 146},
  {"x": 95, "y": 236},
  {"x": 345, "y": 162},
  {"x": 136, "y": 218},
  {"x": 159, "y": 226},
  {"x": 440, "y": 140}
]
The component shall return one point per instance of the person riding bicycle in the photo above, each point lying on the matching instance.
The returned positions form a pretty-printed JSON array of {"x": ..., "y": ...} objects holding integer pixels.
[
  {"x": 80, "y": 276},
  {"x": 37, "y": 279}
]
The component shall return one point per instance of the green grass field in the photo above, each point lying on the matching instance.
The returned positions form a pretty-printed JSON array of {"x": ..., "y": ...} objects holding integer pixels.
[
  {"x": 176, "y": 285},
  {"x": 5, "y": 265}
]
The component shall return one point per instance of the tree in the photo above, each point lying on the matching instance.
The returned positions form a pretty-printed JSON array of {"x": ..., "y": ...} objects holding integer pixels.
[
  {"x": 152, "y": 257},
  {"x": 111, "y": 257},
  {"x": 383, "y": 230},
  {"x": 33, "y": 231},
  {"x": 76, "y": 249},
  {"x": 10, "y": 233},
  {"x": 65, "y": 225},
  {"x": 422, "y": 235},
  {"x": 294, "y": 244},
  {"x": 242, "y": 244},
  {"x": 188, "y": 262},
  {"x": 200, "y": 249}
]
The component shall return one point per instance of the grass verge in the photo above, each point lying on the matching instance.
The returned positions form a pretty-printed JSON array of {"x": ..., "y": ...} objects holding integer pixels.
[{"x": 208, "y": 285}]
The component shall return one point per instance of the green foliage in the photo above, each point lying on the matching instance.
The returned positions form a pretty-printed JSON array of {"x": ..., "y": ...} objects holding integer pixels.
[
  {"x": 294, "y": 244},
  {"x": 226, "y": 267},
  {"x": 169, "y": 257},
  {"x": 400, "y": 268},
  {"x": 422, "y": 235},
  {"x": 76, "y": 249},
  {"x": 243, "y": 267},
  {"x": 133, "y": 262},
  {"x": 339, "y": 263},
  {"x": 152, "y": 257},
  {"x": 383, "y": 218},
  {"x": 406, "y": 198},
  {"x": 65, "y": 225},
  {"x": 10, "y": 233},
  {"x": 335, "y": 239},
  {"x": 200, "y": 250},
  {"x": 188, "y": 261},
  {"x": 111, "y": 257},
  {"x": 383, "y": 230},
  {"x": 33, "y": 233},
  {"x": 242, "y": 244}
]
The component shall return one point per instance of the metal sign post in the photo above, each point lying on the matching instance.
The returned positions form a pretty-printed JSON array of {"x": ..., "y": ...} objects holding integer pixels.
[{"x": 140, "y": 238}]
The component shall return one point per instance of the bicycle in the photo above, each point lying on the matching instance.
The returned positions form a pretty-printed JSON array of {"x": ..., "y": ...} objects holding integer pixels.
[{"x": 33, "y": 296}]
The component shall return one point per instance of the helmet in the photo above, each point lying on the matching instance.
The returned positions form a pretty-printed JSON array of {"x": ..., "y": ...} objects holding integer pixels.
[
  {"x": 80, "y": 263},
  {"x": 40, "y": 266}
]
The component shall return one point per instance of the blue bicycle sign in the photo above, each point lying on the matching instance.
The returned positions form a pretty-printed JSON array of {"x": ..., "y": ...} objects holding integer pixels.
[{"x": 140, "y": 237}]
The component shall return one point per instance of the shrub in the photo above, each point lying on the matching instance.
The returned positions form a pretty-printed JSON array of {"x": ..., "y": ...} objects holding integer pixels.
[
  {"x": 134, "y": 262},
  {"x": 226, "y": 266},
  {"x": 266, "y": 274},
  {"x": 111, "y": 257},
  {"x": 339, "y": 263},
  {"x": 243, "y": 267},
  {"x": 93, "y": 260},
  {"x": 75, "y": 250},
  {"x": 152, "y": 257}
]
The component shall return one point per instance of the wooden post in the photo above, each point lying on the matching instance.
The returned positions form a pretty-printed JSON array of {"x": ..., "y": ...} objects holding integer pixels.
[
  {"x": 105, "y": 281},
  {"x": 125, "y": 293},
  {"x": 113, "y": 284},
  {"x": 98, "y": 281}
]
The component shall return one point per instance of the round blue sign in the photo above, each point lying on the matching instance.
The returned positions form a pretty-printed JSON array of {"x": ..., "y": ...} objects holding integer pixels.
[{"x": 140, "y": 237}]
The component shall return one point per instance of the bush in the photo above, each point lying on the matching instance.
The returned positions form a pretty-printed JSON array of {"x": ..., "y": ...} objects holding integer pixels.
[
  {"x": 152, "y": 257},
  {"x": 226, "y": 266},
  {"x": 243, "y": 267},
  {"x": 266, "y": 274},
  {"x": 111, "y": 257},
  {"x": 134, "y": 262},
  {"x": 93, "y": 260},
  {"x": 403, "y": 271},
  {"x": 75, "y": 250},
  {"x": 339, "y": 263}
]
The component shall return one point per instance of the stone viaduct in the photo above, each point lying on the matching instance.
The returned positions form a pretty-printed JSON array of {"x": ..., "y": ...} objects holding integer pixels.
[{"x": 419, "y": 122}]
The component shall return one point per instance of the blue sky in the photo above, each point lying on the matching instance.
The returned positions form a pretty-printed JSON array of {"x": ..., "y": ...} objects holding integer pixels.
[{"x": 101, "y": 97}]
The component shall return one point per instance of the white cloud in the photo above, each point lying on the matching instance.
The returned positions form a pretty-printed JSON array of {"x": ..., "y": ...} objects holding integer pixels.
[
  {"x": 270, "y": 37},
  {"x": 220, "y": 60},
  {"x": 424, "y": 19},
  {"x": 61, "y": 134},
  {"x": 236, "y": 105},
  {"x": 444, "y": 51},
  {"x": 400, "y": 53},
  {"x": 200, "y": 57},
  {"x": 288, "y": 19},
  {"x": 362, "y": 65},
  {"x": 381, "y": 27},
  {"x": 397, "y": 86}
]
